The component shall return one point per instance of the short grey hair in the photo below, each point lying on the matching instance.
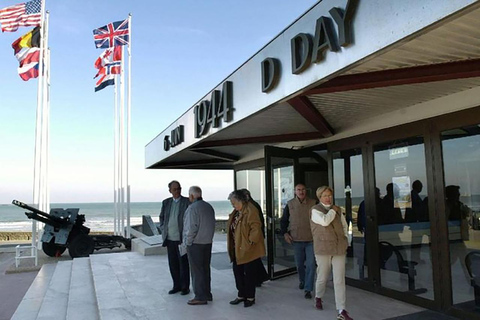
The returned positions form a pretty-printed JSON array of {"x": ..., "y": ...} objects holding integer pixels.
[{"x": 195, "y": 191}]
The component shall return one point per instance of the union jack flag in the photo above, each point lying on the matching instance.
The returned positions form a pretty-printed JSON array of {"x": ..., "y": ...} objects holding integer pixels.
[{"x": 113, "y": 34}]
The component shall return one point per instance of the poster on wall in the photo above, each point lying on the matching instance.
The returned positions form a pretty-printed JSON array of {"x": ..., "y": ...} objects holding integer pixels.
[{"x": 401, "y": 192}]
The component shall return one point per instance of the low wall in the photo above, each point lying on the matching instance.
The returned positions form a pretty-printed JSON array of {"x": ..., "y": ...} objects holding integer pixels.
[{"x": 22, "y": 236}]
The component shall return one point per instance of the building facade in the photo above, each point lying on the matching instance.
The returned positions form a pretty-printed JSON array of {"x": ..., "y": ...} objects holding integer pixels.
[{"x": 381, "y": 101}]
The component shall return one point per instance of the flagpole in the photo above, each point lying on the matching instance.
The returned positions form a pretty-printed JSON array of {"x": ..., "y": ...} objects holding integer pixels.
[
  {"x": 46, "y": 118},
  {"x": 115, "y": 159},
  {"x": 122, "y": 139},
  {"x": 44, "y": 204},
  {"x": 38, "y": 126},
  {"x": 129, "y": 103}
]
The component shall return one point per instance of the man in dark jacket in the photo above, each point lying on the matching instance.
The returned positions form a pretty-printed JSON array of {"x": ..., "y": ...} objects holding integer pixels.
[{"x": 171, "y": 226}]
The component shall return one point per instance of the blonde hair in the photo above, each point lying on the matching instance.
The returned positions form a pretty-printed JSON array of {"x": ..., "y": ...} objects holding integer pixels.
[{"x": 322, "y": 189}]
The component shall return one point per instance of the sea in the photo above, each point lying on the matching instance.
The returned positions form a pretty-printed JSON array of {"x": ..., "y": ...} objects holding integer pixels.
[{"x": 98, "y": 216}]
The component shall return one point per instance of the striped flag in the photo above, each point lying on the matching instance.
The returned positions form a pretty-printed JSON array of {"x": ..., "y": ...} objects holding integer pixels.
[
  {"x": 29, "y": 40},
  {"x": 105, "y": 80},
  {"x": 21, "y": 15},
  {"x": 28, "y": 58}
]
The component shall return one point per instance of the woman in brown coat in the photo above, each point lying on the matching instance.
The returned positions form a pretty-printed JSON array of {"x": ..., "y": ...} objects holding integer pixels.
[{"x": 245, "y": 244}]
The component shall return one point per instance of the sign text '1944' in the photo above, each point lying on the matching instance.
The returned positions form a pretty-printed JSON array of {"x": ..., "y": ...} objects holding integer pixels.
[{"x": 211, "y": 113}]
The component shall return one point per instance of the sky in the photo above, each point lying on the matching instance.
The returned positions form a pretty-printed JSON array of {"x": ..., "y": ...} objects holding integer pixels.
[{"x": 180, "y": 51}]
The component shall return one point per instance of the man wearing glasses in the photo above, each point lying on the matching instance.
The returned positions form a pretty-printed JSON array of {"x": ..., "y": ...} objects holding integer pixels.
[{"x": 171, "y": 226}]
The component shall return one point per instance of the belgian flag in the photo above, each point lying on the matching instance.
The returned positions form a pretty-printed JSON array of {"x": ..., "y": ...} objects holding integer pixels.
[{"x": 28, "y": 40}]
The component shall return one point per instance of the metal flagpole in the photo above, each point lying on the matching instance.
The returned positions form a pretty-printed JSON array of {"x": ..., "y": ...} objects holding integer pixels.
[
  {"x": 46, "y": 121},
  {"x": 38, "y": 125},
  {"x": 115, "y": 159},
  {"x": 122, "y": 143},
  {"x": 44, "y": 203},
  {"x": 129, "y": 102}
]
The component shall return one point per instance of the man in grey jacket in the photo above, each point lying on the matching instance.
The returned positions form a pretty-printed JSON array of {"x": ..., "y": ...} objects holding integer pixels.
[
  {"x": 171, "y": 226},
  {"x": 198, "y": 231}
]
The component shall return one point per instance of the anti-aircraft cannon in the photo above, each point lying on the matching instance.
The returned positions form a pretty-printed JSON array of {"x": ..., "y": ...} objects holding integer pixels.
[{"x": 64, "y": 229}]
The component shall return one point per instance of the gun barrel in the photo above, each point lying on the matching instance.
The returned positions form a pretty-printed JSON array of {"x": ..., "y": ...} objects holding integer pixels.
[
  {"x": 40, "y": 215},
  {"x": 27, "y": 207}
]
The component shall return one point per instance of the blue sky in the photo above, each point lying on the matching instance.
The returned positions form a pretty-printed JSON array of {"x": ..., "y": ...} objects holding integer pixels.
[{"x": 180, "y": 51}]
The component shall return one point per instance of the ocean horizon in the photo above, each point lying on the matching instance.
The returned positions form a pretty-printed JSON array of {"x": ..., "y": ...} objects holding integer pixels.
[{"x": 98, "y": 215}]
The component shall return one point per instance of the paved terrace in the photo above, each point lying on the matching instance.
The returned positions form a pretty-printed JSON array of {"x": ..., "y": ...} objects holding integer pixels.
[{"x": 127, "y": 285}]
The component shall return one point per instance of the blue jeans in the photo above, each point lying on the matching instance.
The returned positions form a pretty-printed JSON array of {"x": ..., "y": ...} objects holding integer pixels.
[{"x": 305, "y": 261}]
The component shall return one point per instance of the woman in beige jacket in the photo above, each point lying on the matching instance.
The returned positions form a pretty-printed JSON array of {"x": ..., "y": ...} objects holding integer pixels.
[
  {"x": 245, "y": 244},
  {"x": 329, "y": 230}
]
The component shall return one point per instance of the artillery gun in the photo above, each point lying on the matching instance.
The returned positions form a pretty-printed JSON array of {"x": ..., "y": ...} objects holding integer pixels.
[{"x": 64, "y": 229}]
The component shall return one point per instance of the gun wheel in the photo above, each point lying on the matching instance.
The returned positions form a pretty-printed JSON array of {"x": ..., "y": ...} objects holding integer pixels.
[
  {"x": 81, "y": 246},
  {"x": 52, "y": 249}
]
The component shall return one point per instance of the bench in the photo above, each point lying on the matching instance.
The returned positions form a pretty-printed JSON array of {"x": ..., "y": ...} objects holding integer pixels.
[
  {"x": 387, "y": 250},
  {"x": 472, "y": 261}
]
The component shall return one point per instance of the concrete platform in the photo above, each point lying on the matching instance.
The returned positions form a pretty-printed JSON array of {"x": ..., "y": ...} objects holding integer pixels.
[{"x": 129, "y": 285}]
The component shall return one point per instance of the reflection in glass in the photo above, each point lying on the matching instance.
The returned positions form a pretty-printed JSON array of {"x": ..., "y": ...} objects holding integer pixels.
[
  {"x": 349, "y": 195},
  {"x": 254, "y": 181},
  {"x": 402, "y": 217},
  {"x": 461, "y": 158},
  {"x": 283, "y": 190}
]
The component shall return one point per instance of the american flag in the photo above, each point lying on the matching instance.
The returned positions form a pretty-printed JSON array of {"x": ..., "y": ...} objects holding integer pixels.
[
  {"x": 113, "y": 34},
  {"x": 21, "y": 15}
]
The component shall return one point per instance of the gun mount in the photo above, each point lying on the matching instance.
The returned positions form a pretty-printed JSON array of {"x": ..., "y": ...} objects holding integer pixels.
[{"x": 64, "y": 229}]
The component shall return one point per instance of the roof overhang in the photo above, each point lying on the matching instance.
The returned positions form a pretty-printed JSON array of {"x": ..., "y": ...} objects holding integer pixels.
[{"x": 411, "y": 64}]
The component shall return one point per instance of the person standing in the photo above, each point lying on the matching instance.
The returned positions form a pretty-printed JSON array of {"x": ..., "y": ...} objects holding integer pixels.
[
  {"x": 171, "y": 227},
  {"x": 199, "y": 229},
  {"x": 245, "y": 244},
  {"x": 295, "y": 227},
  {"x": 262, "y": 274},
  {"x": 329, "y": 229}
]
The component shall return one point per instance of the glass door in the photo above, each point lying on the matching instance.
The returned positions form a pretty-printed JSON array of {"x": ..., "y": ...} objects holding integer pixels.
[
  {"x": 349, "y": 196},
  {"x": 402, "y": 218},
  {"x": 283, "y": 169},
  {"x": 461, "y": 163}
]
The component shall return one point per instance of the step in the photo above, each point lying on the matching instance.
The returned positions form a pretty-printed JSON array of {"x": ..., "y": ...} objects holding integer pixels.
[
  {"x": 32, "y": 301},
  {"x": 111, "y": 299},
  {"x": 82, "y": 301},
  {"x": 138, "y": 276},
  {"x": 55, "y": 302}
]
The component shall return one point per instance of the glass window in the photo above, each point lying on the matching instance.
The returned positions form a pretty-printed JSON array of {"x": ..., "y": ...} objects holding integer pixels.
[
  {"x": 283, "y": 191},
  {"x": 254, "y": 181},
  {"x": 461, "y": 161},
  {"x": 348, "y": 188},
  {"x": 402, "y": 217}
]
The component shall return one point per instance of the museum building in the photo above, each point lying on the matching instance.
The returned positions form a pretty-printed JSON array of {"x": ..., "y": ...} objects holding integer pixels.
[{"x": 381, "y": 101}]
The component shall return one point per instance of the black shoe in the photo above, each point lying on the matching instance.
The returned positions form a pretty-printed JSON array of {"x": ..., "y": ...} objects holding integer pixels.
[
  {"x": 248, "y": 303},
  {"x": 308, "y": 295},
  {"x": 173, "y": 291},
  {"x": 237, "y": 301},
  {"x": 185, "y": 292},
  {"x": 210, "y": 298},
  {"x": 301, "y": 285}
]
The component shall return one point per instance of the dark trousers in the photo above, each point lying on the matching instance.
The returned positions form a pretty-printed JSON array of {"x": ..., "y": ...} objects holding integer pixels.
[
  {"x": 260, "y": 273},
  {"x": 245, "y": 278},
  {"x": 178, "y": 266},
  {"x": 200, "y": 256}
]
